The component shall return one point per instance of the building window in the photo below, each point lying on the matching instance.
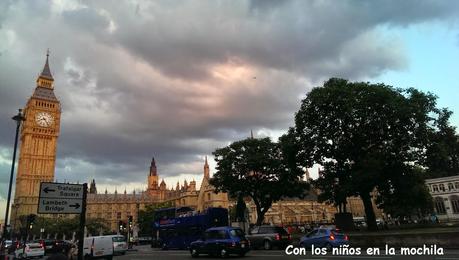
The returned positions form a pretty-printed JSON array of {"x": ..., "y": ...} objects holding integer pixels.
[
  {"x": 435, "y": 188},
  {"x": 440, "y": 206},
  {"x": 450, "y": 186},
  {"x": 442, "y": 187},
  {"x": 456, "y": 185},
  {"x": 455, "y": 203},
  {"x": 118, "y": 215},
  {"x": 208, "y": 196}
]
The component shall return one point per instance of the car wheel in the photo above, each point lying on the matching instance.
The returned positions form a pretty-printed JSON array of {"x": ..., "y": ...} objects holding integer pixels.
[
  {"x": 267, "y": 245},
  {"x": 194, "y": 252},
  {"x": 223, "y": 253}
]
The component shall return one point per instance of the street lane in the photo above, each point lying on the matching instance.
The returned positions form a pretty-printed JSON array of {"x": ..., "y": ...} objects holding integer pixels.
[{"x": 145, "y": 252}]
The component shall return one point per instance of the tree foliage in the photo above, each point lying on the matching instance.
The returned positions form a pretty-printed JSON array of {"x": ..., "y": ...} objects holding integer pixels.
[
  {"x": 62, "y": 226},
  {"x": 442, "y": 157},
  {"x": 259, "y": 169},
  {"x": 368, "y": 137}
]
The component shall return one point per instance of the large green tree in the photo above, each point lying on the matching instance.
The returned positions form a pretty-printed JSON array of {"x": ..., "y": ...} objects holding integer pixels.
[
  {"x": 259, "y": 169},
  {"x": 368, "y": 136},
  {"x": 442, "y": 157}
]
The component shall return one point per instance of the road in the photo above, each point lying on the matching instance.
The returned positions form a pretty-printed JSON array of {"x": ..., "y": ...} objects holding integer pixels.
[{"x": 145, "y": 252}]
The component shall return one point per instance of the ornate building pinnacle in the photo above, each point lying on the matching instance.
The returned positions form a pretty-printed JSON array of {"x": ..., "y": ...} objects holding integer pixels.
[
  {"x": 153, "y": 170},
  {"x": 46, "y": 73},
  {"x": 206, "y": 169}
]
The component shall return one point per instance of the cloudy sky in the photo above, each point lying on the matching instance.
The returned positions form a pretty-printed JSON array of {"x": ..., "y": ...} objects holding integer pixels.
[{"x": 178, "y": 79}]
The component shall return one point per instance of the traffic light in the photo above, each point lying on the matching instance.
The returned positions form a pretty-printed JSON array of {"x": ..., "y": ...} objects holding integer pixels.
[
  {"x": 130, "y": 221},
  {"x": 120, "y": 225},
  {"x": 31, "y": 220}
]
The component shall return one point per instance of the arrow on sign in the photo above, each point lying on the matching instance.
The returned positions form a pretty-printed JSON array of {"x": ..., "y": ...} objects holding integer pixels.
[
  {"x": 46, "y": 190},
  {"x": 76, "y": 205}
]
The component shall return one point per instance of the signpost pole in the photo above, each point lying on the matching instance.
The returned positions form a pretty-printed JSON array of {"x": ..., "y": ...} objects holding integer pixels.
[
  {"x": 82, "y": 222},
  {"x": 129, "y": 235}
]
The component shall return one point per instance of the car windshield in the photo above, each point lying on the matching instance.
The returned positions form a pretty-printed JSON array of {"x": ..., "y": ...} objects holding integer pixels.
[
  {"x": 237, "y": 233},
  {"x": 118, "y": 239}
]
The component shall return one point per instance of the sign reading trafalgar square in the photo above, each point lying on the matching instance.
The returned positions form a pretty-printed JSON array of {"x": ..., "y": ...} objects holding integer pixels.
[{"x": 60, "y": 198}]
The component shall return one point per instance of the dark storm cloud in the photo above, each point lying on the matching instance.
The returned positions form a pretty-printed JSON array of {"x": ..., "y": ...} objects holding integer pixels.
[{"x": 176, "y": 80}]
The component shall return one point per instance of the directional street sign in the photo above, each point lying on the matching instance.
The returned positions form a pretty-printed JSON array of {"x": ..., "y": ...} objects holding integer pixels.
[
  {"x": 61, "y": 190},
  {"x": 59, "y": 206},
  {"x": 60, "y": 198}
]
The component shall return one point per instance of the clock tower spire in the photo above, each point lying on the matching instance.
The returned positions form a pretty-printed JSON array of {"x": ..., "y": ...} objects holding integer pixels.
[
  {"x": 45, "y": 79},
  {"x": 37, "y": 155}
]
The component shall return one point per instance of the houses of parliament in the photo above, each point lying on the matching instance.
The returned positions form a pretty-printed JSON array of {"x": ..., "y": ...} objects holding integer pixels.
[{"x": 37, "y": 159}]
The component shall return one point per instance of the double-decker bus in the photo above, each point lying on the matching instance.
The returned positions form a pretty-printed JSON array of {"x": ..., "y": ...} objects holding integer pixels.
[{"x": 178, "y": 227}]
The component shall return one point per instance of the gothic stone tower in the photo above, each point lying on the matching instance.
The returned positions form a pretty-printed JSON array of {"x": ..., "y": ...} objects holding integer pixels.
[
  {"x": 39, "y": 133},
  {"x": 153, "y": 189}
]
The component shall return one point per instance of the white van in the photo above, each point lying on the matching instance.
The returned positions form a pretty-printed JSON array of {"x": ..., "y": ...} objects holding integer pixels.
[
  {"x": 98, "y": 247},
  {"x": 119, "y": 244}
]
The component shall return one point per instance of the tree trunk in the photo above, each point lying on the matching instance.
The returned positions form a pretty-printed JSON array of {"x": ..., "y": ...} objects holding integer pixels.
[
  {"x": 369, "y": 212},
  {"x": 260, "y": 217}
]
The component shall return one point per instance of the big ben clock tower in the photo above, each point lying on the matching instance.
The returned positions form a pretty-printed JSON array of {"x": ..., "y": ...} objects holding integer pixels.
[{"x": 37, "y": 156}]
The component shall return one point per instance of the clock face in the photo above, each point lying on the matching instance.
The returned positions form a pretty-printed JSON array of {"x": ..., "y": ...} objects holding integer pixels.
[{"x": 44, "y": 119}]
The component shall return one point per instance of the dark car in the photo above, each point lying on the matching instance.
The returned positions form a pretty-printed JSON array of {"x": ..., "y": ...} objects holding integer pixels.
[
  {"x": 8, "y": 246},
  {"x": 221, "y": 241},
  {"x": 267, "y": 237},
  {"x": 55, "y": 246},
  {"x": 324, "y": 237}
]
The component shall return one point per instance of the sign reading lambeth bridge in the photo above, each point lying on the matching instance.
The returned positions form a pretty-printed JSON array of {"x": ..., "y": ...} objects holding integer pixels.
[{"x": 60, "y": 198}]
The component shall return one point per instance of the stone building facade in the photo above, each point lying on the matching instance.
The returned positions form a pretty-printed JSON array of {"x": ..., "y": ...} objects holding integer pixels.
[
  {"x": 116, "y": 207},
  {"x": 290, "y": 211},
  {"x": 445, "y": 194}
]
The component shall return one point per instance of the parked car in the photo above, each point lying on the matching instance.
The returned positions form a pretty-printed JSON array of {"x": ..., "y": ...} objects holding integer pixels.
[
  {"x": 7, "y": 246},
  {"x": 55, "y": 246},
  {"x": 221, "y": 241},
  {"x": 328, "y": 237},
  {"x": 120, "y": 245},
  {"x": 30, "y": 249},
  {"x": 98, "y": 247},
  {"x": 267, "y": 237},
  {"x": 48, "y": 245}
]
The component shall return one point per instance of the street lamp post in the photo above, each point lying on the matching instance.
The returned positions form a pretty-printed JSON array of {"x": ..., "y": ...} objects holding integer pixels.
[{"x": 18, "y": 118}]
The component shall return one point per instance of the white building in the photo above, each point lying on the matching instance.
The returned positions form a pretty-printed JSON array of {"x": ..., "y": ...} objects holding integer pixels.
[{"x": 445, "y": 194}]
